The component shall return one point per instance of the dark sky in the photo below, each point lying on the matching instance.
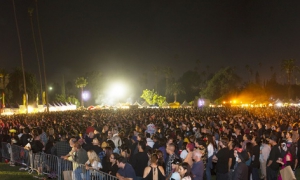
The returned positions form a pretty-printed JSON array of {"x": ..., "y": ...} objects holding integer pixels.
[{"x": 133, "y": 35}]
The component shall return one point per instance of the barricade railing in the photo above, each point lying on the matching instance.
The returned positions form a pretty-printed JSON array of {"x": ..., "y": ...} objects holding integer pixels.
[
  {"x": 5, "y": 150},
  {"x": 79, "y": 172},
  {"x": 19, "y": 155},
  {"x": 51, "y": 165}
]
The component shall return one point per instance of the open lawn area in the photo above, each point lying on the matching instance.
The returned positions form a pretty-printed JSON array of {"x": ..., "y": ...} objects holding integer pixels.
[{"x": 8, "y": 172}]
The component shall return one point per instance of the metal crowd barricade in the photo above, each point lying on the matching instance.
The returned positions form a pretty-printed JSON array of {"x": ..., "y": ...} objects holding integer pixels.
[
  {"x": 5, "y": 150},
  {"x": 50, "y": 165},
  {"x": 98, "y": 175},
  {"x": 80, "y": 173},
  {"x": 19, "y": 155}
]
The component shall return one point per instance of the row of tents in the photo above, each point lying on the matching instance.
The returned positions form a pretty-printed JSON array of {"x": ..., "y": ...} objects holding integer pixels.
[{"x": 164, "y": 105}]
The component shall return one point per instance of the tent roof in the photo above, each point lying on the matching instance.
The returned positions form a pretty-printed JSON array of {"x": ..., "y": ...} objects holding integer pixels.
[
  {"x": 145, "y": 104},
  {"x": 165, "y": 104},
  {"x": 184, "y": 104},
  {"x": 136, "y": 103}
]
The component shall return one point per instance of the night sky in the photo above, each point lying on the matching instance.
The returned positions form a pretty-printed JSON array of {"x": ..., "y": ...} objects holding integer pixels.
[{"x": 127, "y": 37}]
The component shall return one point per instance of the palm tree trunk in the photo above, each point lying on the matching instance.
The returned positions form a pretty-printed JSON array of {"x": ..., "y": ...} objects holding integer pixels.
[
  {"x": 175, "y": 97},
  {"x": 82, "y": 97},
  {"x": 36, "y": 52},
  {"x": 42, "y": 51},
  {"x": 21, "y": 54}
]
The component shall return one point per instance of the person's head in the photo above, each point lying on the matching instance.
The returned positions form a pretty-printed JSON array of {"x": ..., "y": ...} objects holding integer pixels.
[
  {"x": 283, "y": 146},
  {"x": 95, "y": 142},
  {"x": 224, "y": 142},
  {"x": 283, "y": 134},
  {"x": 267, "y": 126},
  {"x": 105, "y": 128},
  {"x": 148, "y": 135},
  {"x": 77, "y": 146},
  {"x": 197, "y": 155},
  {"x": 51, "y": 131},
  {"x": 72, "y": 141},
  {"x": 237, "y": 130},
  {"x": 170, "y": 149},
  {"x": 210, "y": 139},
  {"x": 108, "y": 151},
  {"x": 109, "y": 134},
  {"x": 170, "y": 140},
  {"x": 93, "y": 156},
  {"x": 192, "y": 138},
  {"x": 184, "y": 145},
  {"x": 125, "y": 151},
  {"x": 91, "y": 134},
  {"x": 247, "y": 137},
  {"x": 140, "y": 137},
  {"x": 111, "y": 144},
  {"x": 113, "y": 158},
  {"x": 160, "y": 154},
  {"x": 26, "y": 130},
  {"x": 153, "y": 158},
  {"x": 231, "y": 144},
  {"x": 184, "y": 169},
  {"x": 115, "y": 130},
  {"x": 141, "y": 146},
  {"x": 256, "y": 140},
  {"x": 259, "y": 125},
  {"x": 175, "y": 163},
  {"x": 121, "y": 161},
  {"x": 273, "y": 140},
  {"x": 240, "y": 155},
  {"x": 179, "y": 136},
  {"x": 289, "y": 135},
  {"x": 190, "y": 147}
]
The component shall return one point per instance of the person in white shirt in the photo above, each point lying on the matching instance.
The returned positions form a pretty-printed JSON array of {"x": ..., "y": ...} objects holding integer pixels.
[
  {"x": 265, "y": 149},
  {"x": 184, "y": 152},
  {"x": 93, "y": 162},
  {"x": 150, "y": 142}
]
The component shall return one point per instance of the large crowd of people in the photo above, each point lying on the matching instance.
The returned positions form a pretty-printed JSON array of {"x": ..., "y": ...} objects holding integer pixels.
[{"x": 157, "y": 144}]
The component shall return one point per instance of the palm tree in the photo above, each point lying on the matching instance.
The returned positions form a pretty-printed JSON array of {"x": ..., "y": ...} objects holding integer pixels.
[
  {"x": 289, "y": 66},
  {"x": 156, "y": 70},
  {"x": 21, "y": 55},
  {"x": 81, "y": 82},
  {"x": 248, "y": 68},
  {"x": 3, "y": 75},
  {"x": 144, "y": 79},
  {"x": 42, "y": 52},
  {"x": 167, "y": 72},
  {"x": 175, "y": 89},
  {"x": 30, "y": 11}
]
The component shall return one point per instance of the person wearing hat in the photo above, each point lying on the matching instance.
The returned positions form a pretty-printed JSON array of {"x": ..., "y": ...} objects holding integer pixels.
[
  {"x": 241, "y": 169},
  {"x": 272, "y": 165}
]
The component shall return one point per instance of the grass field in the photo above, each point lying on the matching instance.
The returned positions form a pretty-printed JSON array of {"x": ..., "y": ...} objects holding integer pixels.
[{"x": 13, "y": 173}]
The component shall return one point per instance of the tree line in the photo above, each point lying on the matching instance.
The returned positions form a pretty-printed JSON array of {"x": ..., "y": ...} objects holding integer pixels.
[{"x": 218, "y": 86}]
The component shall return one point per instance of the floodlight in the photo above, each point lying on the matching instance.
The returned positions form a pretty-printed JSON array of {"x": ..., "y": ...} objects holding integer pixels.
[{"x": 86, "y": 95}]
